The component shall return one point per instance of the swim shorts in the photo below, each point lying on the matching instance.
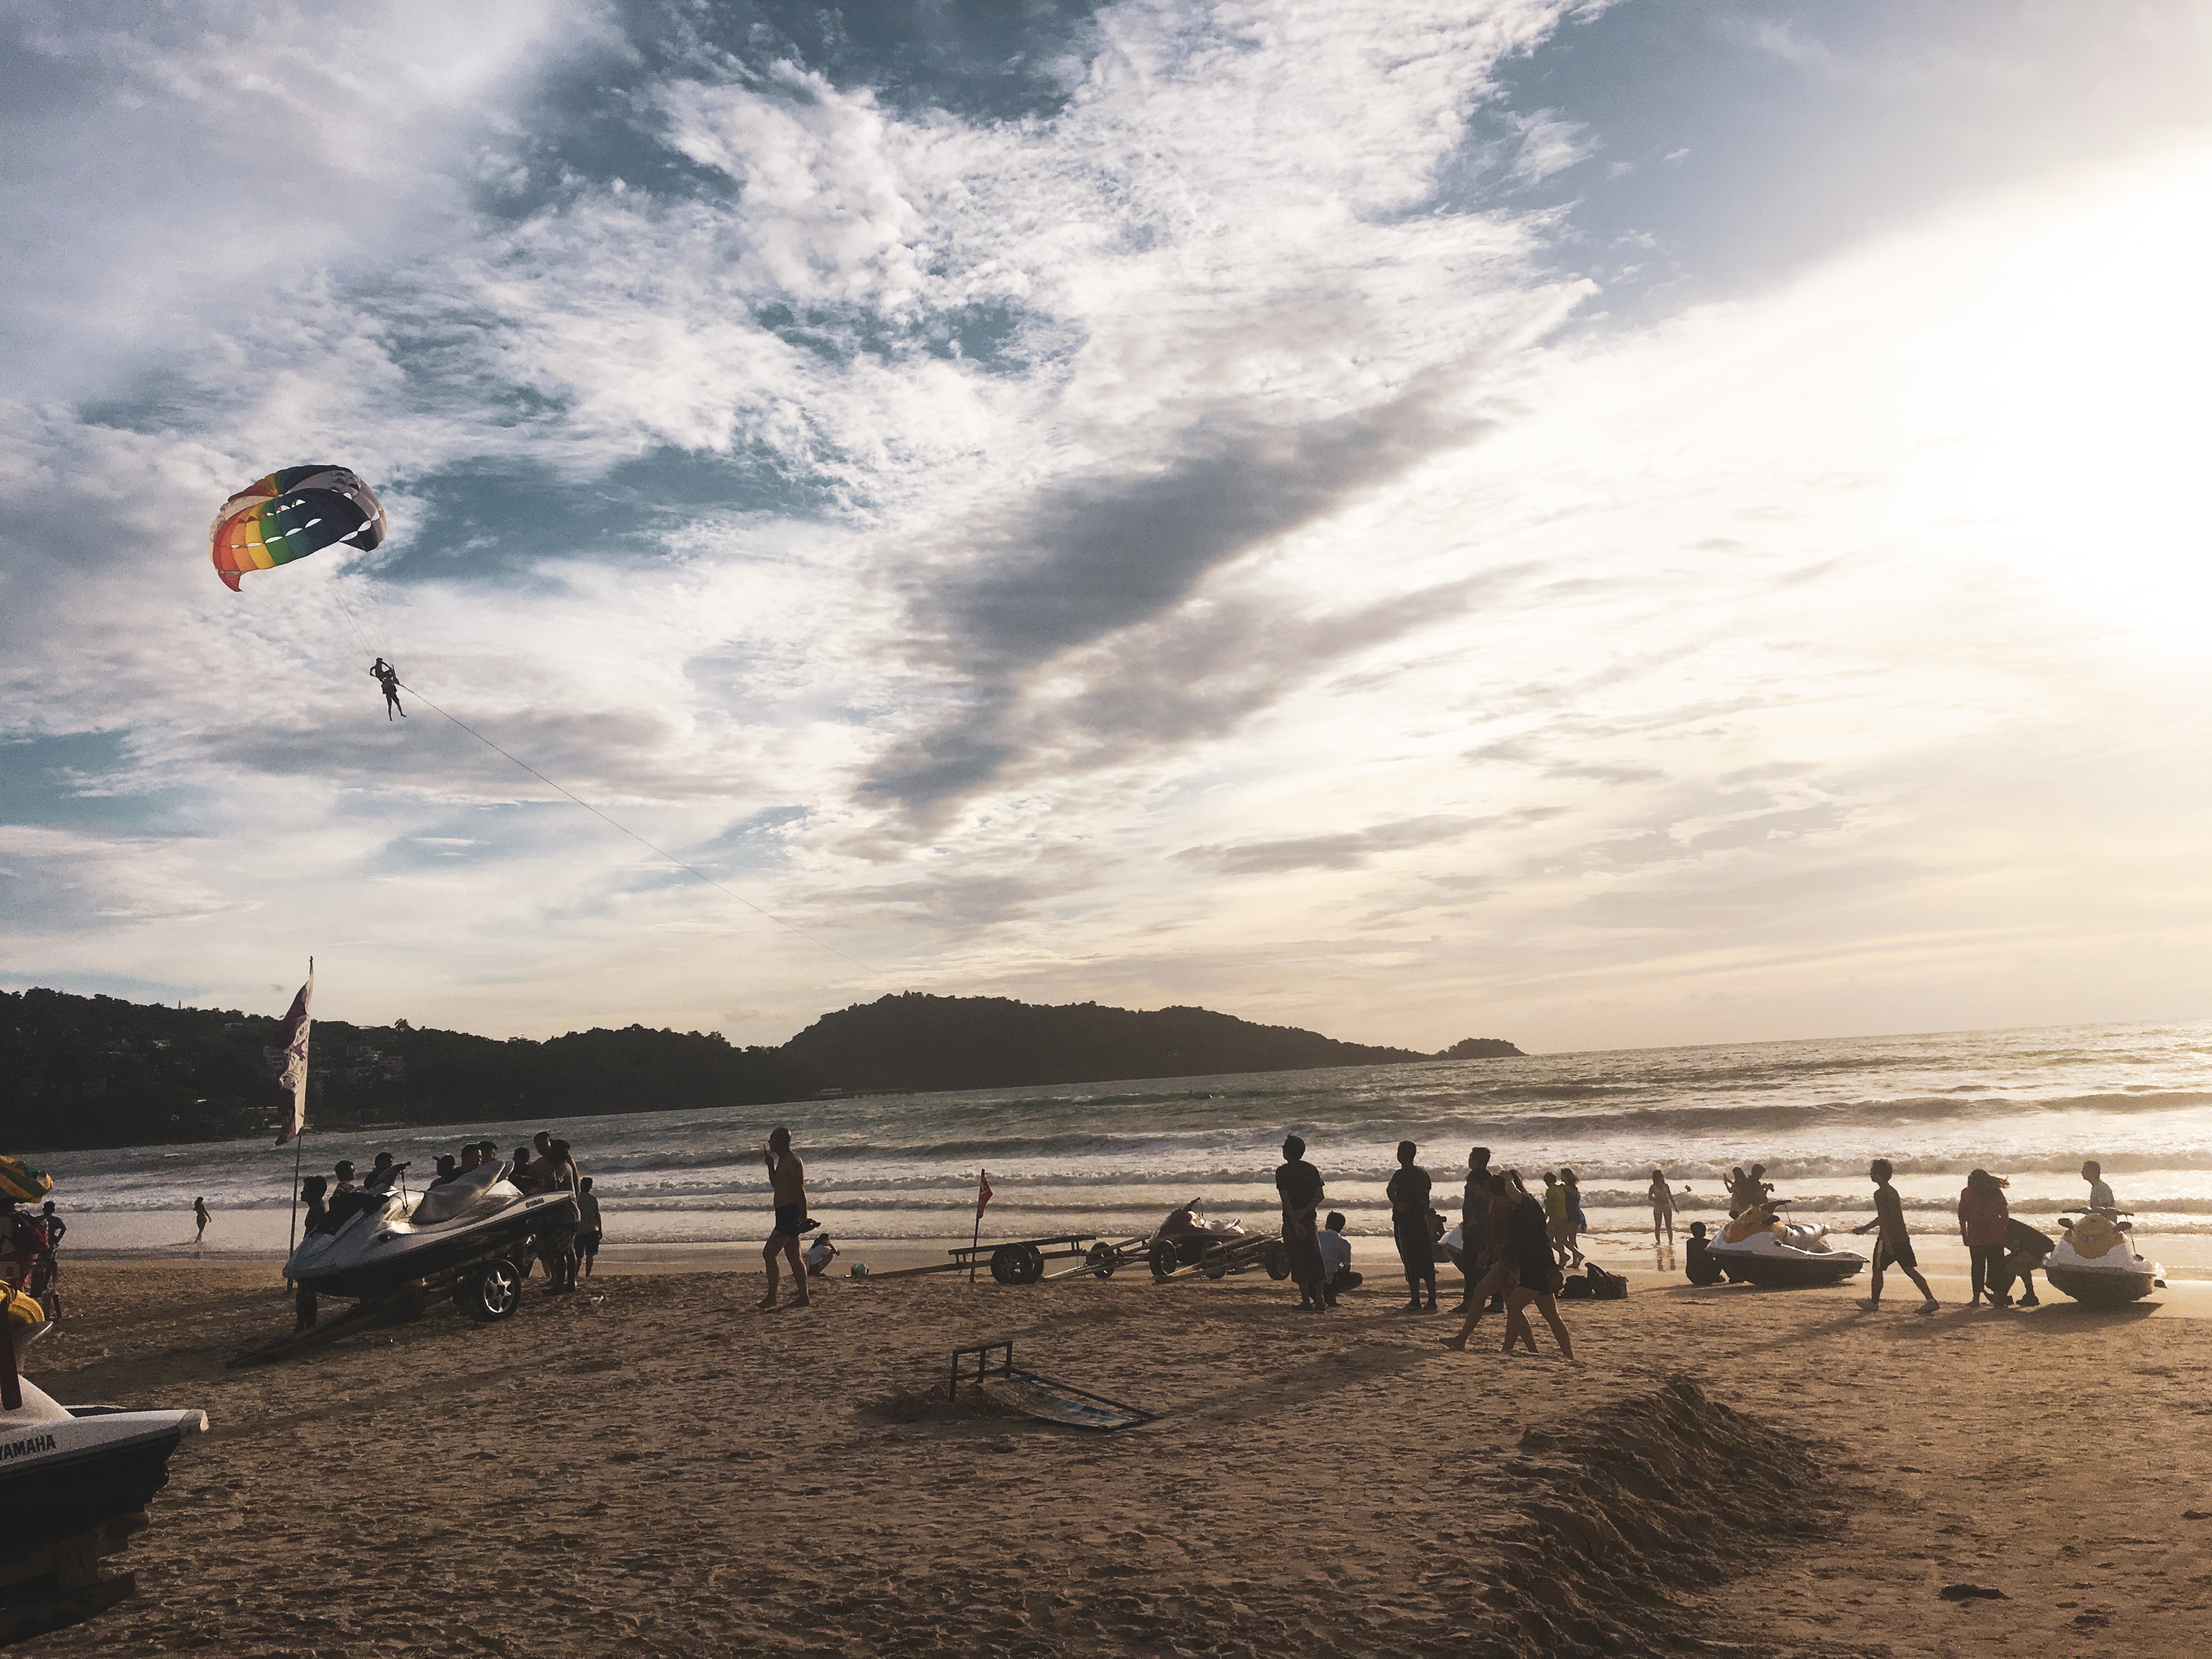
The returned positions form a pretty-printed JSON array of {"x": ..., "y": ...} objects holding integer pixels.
[
  {"x": 791, "y": 1219},
  {"x": 588, "y": 1242},
  {"x": 1900, "y": 1253}
]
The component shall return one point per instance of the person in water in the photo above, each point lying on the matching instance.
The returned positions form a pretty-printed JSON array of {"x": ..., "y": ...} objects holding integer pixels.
[
  {"x": 787, "y": 1177},
  {"x": 1408, "y": 1193},
  {"x": 388, "y": 676},
  {"x": 1299, "y": 1185},
  {"x": 1662, "y": 1206},
  {"x": 1894, "y": 1243},
  {"x": 201, "y": 1218}
]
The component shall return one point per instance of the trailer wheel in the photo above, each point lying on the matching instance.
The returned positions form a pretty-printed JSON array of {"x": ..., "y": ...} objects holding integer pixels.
[
  {"x": 1103, "y": 1259},
  {"x": 491, "y": 1292},
  {"x": 1163, "y": 1260},
  {"x": 1215, "y": 1264},
  {"x": 1032, "y": 1267},
  {"x": 1277, "y": 1260},
  {"x": 1006, "y": 1264}
]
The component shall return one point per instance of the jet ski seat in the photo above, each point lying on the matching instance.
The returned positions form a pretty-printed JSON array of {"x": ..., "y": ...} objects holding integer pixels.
[{"x": 480, "y": 1192}]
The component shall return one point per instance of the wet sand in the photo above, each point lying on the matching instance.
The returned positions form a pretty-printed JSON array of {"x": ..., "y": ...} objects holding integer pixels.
[{"x": 651, "y": 1468}]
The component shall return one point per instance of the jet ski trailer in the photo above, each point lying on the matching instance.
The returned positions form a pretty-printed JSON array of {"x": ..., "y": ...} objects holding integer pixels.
[
  {"x": 74, "y": 1482},
  {"x": 391, "y": 1253}
]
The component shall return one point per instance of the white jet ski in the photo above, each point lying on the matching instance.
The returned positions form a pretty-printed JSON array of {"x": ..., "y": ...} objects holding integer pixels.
[
  {"x": 74, "y": 1481},
  {"x": 474, "y": 1231},
  {"x": 2096, "y": 1265},
  {"x": 1758, "y": 1248}
]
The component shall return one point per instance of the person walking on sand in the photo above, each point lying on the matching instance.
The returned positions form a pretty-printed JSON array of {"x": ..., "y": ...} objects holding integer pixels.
[
  {"x": 1894, "y": 1243},
  {"x": 201, "y": 1218},
  {"x": 1408, "y": 1193},
  {"x": 1983, "y": 1219},
  {"x": 1529, "y": 1242},
  {"x": 1492, "y": 1276},
  {"x": 1662, "y": 1208},
  {"x": 1555, "y": 1216},
  {"x": 788, "y": 1176},
  {"x": 1578, "y": 1223},
  {"x": 1300, "y": 1187}
]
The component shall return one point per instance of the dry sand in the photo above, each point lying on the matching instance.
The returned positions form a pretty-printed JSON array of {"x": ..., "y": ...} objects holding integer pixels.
[{"x": 651, "y": 1468}]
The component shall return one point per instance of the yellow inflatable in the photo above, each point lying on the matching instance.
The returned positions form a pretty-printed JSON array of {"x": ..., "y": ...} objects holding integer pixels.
[{"x": 1756, "y": 1220}]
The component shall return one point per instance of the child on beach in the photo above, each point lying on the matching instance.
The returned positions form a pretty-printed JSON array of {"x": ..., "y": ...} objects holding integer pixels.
[
  {"x": 2100, "y": 1195},
  {"x": 1895, "y": 1244}
]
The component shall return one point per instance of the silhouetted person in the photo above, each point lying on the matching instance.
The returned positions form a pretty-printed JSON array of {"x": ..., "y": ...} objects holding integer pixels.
[
  {"x": 1337, "y": 1276},
  {"x": 1983, "y": 1219},
  {"x": 1408, "y": 1193},
  {"x": 788, "y": 1176},
  {"x": 388, "y": 676},
  {"x": 201, "y": 1218},
  {"x": 1299, "y": 1186},
  {"x": 1894, "y": 1241}
]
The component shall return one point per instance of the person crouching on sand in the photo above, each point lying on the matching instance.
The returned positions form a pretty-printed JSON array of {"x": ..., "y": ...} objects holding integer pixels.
[
  {"x": 1894, "y": 1243},
  {"x": 1337, "y": 1276},
  {"x": 787, "y": 1176}
]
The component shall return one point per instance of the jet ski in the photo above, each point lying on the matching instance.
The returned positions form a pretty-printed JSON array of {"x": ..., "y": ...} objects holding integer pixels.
[
  {"x": 74, "y": 1481},
  {"x": 2096, "y": 1265},
  {"x": 1186, "y": 1236},
  {"x": 1758, "y": 1248},
  {"x": 473, "y": 1231}
]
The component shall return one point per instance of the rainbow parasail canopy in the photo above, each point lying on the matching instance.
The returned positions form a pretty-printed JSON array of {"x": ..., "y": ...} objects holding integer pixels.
[{"x": 290, "y": 514}]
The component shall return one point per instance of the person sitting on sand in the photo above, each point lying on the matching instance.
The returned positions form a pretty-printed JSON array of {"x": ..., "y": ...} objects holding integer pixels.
[
  {"x": 2100, "y": 1195},
  {"x": 1697, "y": 1257},
  {"x": 1894, "y": 1243},
  {"x": 1408, "y": 1193},
  {"x": 787, "y": 1179},
  {"x": 1662, "y": 1206},
  {"x": 1337, "y": 1276},
  {"x": 819, "y": 1254},
  {"x": 1299, "y": 1186}
]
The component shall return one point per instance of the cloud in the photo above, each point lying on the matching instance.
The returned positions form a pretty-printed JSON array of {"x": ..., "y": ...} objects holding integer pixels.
[{"x": 1352, "y": 850}]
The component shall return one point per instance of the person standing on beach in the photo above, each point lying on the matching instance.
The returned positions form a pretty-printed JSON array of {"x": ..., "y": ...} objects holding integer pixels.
[
  {"x": 1894, "y": 1243},
  {"x": 1408, "y": 1193},
  {"x": 588, "y": 1230},
  {"x": 1662, "y": 1208},
  {"x": 1299, "y": 1185},
  {"x": 1555, "y": 1216},
  {"x": 1474, "y": 1221},
  {"x": 1529, "y": 1242},
  {"x": 201, "y": 1216},
  {"x": 1490, "y": 1275},
  {"x": 1984, "y": 1220},
  {"x": 786, "y": 1176}
]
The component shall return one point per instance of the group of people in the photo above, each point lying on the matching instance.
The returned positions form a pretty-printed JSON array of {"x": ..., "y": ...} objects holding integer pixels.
[
  {"x": 29, "y": 1239},
  {"x": 1510, "y": 1241},
  {"x": 546, "y": 1165}
]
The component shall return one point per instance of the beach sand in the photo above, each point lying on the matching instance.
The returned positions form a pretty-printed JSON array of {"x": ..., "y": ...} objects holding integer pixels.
[{"x": 652, "y": 1467}]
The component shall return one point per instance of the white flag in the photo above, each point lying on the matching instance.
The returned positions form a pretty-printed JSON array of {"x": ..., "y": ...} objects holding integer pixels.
[{"x": 294, "y": 1074}]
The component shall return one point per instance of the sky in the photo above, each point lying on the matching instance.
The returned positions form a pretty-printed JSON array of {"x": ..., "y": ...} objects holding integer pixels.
[{"x": 1604, "y": 525}]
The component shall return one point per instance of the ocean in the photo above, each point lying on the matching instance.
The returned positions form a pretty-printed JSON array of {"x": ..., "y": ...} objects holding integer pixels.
[{"x": 1114, "y": 1159}]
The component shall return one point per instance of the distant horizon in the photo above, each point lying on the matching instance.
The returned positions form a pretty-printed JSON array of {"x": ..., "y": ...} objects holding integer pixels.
[{"x": 1425, "y": 1056}]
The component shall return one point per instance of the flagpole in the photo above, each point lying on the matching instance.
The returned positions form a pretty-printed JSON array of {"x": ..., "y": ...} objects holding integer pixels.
[
  {"x": 299, "y": 1147},
  {"x": 977, "y": 1242}
]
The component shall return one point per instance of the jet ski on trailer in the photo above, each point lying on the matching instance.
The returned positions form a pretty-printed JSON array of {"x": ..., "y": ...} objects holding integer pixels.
[
  {"x": 471, "y": 1233},
  {"x": 1758, "y": 1248},
  {"x": 74, "y": 1482},
  {"x": 2096, "y": 1265}
]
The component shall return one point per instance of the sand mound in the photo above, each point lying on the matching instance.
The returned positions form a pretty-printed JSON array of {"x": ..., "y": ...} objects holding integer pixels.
[{"x": 1629, "y": 1512}]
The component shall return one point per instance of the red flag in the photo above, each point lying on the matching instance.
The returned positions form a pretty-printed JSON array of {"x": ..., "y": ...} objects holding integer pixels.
[
  {"x": 983, "y": 1192},
  {"x": 293, "y": 1076}
]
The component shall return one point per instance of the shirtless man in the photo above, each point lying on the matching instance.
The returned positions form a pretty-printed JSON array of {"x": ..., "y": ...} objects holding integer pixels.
[
  {"x": 1893, "y": 1245},
  {"x": 787, "y": 1176}
]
